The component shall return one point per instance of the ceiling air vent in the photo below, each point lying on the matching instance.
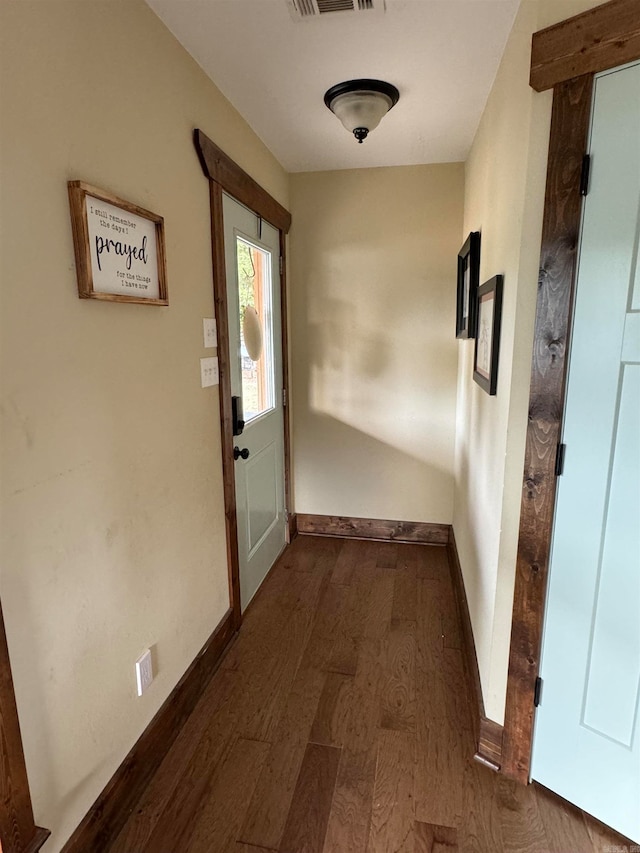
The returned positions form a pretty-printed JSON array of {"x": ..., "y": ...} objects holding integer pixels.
[{"x": 305, "y": 10}]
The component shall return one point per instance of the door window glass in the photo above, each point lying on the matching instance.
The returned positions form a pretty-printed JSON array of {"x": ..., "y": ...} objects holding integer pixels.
[{"x": 256, "y": 352}]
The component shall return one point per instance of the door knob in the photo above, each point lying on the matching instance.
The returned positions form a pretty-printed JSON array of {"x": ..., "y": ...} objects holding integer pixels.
[{"x": 237, "y": 453}]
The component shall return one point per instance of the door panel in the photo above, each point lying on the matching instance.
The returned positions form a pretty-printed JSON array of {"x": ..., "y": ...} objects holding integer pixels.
[
  {"x": 613, "y": 668},
  {"x": 587, "y": 742},
  {"x": 252, "y": 250},
  {"x": 260, "y": 472}
]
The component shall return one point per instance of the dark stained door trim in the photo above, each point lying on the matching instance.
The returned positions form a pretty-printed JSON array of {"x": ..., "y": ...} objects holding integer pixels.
[
  {"x": 618, "y": 24},
  {"x": 225, "y": 175},
  {"x": 560, "y": 232},
  {"x": 18, "y": 832},
  {"x": 601, "y": 38},
  {"x": 219, "y": 167}
]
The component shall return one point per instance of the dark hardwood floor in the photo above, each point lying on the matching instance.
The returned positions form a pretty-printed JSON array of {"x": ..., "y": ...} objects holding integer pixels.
[{"x": 341, "y": 720}]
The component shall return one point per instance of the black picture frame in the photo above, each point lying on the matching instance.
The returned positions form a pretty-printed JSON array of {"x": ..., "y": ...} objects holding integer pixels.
[
  {"x": 487, "y": 347},
  {"x": 468, "y": 280}
]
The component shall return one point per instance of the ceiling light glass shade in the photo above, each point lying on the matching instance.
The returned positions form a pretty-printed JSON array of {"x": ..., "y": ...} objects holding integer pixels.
[{"x": 361, "y": 104}]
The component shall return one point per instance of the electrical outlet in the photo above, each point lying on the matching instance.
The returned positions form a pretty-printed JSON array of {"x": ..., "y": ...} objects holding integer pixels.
[
  {"x": 209, "y": 372},
  {"x": 144, "y": 672},
  {"x": 210, "y": 333}
]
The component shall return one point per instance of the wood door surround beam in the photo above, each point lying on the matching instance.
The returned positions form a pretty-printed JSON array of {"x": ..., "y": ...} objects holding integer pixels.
[
  {"x": 560, "y": 233},
  {"x": 565, "y": 57},
  {"x": 601, "y": 38},
  {"x": 221, "y": 169},
  {"x": 226, "y": 413}
]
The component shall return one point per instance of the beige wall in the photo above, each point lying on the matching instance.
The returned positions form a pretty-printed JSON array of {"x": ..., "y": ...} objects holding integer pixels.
[
  {"x": 112, "y": 511},
  {"x": 504, "y": 196},
  {"x": 374, "y": 354},
  {"x": 112, "y": 507}
]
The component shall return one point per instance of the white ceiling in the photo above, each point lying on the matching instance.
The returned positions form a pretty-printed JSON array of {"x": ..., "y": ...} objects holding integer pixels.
[{"x": 441, "y": 54}]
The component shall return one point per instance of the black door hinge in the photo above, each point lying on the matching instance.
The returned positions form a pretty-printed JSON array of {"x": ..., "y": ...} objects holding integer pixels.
[
  {"x": 559, "y": 469},
  {"x": 584, "y": 174},
  {"x": 537, "y": 692}
]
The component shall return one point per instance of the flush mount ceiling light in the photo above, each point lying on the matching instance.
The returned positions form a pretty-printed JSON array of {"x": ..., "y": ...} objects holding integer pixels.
[{"x": 361, "y": 104}]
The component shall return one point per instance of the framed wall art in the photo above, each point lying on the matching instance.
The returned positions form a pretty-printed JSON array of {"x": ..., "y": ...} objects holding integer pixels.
[
  {"x": 119, "y": 248},
  {"x": 468, "y": 279},
  {"x": 487, "y": 349}
]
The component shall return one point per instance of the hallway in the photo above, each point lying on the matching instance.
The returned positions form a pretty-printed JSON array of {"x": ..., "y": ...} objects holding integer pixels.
[{"x": 340, "y": 720}]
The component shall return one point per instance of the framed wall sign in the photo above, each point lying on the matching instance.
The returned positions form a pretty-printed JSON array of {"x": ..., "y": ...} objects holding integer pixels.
[
  {"x": 487, "y": 350},
  {"x": 119, "y": 248},
  {"x": 468, "y": 278}
]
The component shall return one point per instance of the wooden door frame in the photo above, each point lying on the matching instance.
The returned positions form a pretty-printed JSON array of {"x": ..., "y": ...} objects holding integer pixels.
[
  {"x": 226, "y": 176},
  {"x": 564, "y": 57},
  {"x": 18, "y": 831}
]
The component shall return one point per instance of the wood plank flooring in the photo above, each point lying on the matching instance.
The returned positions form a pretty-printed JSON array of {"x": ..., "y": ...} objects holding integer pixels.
[{"x": 340, "y": 721}]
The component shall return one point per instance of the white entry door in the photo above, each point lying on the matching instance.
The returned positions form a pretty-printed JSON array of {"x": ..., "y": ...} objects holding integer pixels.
[
  {"x": 252, "y": 258},
  {"x": 587, "y": 733}
]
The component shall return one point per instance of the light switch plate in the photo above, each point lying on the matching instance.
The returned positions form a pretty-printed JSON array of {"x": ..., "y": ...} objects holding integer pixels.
[
  {"x": 144, "y": 672},
  {"x": 209, "y": 372},
  {"x": 210, "y": 333}
]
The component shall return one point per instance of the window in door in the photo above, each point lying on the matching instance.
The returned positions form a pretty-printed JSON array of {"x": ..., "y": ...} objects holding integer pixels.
[{"x": 256, "y": 329}]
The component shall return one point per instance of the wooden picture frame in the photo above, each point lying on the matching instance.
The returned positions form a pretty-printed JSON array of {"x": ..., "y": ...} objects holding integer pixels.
[
  {"x": 119, "y": 248},
  {"x": 487, "y": 348},
  {"x": 468, "y": 280}
]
